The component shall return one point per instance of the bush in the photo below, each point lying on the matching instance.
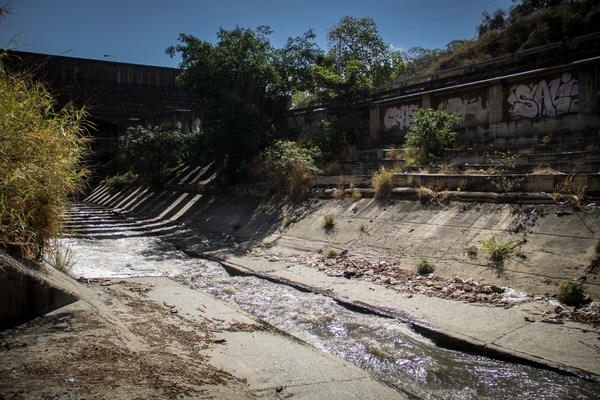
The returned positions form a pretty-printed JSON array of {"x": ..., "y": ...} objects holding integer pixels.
[
  {"x": 383, "y": 182},
  {"x": 425, "y": 267},
  {"x": 117, "y": 183},
  {"x": 572, "y": 293},
  {"x": 287, "y": 167},
  {"x": 152, "y": 153},
  {"x": 431, "y": 132},
  {"x": 499, "y": 250},
  {"x": 41, "y": 152}
]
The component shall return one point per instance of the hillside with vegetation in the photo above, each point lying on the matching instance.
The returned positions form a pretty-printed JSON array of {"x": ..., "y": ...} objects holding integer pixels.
[{"x": 525, "y": 25}]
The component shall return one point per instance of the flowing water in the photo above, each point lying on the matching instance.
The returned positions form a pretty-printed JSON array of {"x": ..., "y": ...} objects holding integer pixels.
[{"x": 108, "y": 246}]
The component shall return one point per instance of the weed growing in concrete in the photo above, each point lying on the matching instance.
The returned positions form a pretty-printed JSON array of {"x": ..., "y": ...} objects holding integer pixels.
[
  {"x": 362, "y": 227},
  {"x": 382, "y": 182},
  {"x": 595, "y": 260},
  {"x": 504, "y": 163},
  {"x": 425, "y": 267},
  {"x": 340, "y": 192},
  {"x": 287, "y": 221},
  {"x": 332, "y": 253},
  {"x": 411, "y": 157},
  {"x": 499, "y": 250},
  {"x": 448, "y": 169},
  {"x": 328, "y": 222},
  {"x": 356, "y": 194},
  {"x": 59, "y": 256},
  {"x": 548, "y": 139},
  {"x": 424, "y": 194},
  {"x": 570, "y": 192},
  {"x": 472, "y": 252},
  {"x": 572, "y": 293}
]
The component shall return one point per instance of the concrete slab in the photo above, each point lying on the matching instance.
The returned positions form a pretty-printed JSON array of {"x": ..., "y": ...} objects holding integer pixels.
[{"x": 269, "y": 361}]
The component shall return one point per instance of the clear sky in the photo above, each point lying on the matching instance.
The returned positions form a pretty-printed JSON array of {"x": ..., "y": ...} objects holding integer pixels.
[{"x": 139, "y": 31}]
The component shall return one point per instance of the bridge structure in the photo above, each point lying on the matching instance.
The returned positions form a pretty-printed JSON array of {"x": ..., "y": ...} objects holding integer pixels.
[{"x": 116, "y": 95}]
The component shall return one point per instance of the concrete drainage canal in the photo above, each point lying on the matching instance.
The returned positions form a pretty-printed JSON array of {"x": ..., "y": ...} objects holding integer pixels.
[{"x": 106, "y": 246}]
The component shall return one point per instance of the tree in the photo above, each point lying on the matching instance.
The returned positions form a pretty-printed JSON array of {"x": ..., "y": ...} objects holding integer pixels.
[
  {"x": 431, "y": 132},
  {"x": 151, "y": 153},
  {"x": 244, "y": 83},
  {"x": 494, "y": 22},
  {"x": 419, "y": 60},
  {"x": 41, "y": 155},
  {"x": 358, "y": 60}
]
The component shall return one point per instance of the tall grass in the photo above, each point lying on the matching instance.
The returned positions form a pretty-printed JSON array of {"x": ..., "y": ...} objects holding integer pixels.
[
  {"x": 41, "y": 149},
  {"x": 499, "y": 250},
  {"x": 383, "y": 182}
]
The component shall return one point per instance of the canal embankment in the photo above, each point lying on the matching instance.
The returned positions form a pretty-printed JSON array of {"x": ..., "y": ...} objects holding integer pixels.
[{"x": 287, "y": 241}]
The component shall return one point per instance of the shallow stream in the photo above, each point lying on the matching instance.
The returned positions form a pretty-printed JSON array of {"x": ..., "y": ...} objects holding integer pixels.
[{"x": 106, "y": 246}]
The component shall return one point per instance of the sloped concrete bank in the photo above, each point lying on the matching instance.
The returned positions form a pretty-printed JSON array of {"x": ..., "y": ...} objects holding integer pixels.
[{"x": 248, "y": 234}]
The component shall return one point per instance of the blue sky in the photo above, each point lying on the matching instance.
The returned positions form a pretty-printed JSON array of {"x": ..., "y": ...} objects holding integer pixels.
[{"x": 139, "y": 31}]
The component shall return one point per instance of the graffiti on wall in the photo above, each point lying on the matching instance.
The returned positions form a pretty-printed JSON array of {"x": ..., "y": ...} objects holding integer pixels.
[
  {"x": 472, "y": 110},
  {"x": 399, "y": 117},
  {"x": 545, "y": 98}
]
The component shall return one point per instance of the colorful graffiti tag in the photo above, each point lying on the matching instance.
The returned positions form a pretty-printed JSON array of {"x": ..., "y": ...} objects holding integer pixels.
[
  {"x": 553, "y": 98},
  {"x": 400, "y": 117},
  {"x": 472, "y": 110}
]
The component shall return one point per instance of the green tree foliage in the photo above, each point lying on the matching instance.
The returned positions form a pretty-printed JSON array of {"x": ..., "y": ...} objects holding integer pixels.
[
  {"x": 151, "y": 153},
  {"x": 244, "y": 83},
  {"x": 357, "y": 61},
  {"x": 327, "y": 135},
  {"x": 431, "y": 132},
  {"x": 287, "y": 167},
  {"x": 41, "y": 150}
]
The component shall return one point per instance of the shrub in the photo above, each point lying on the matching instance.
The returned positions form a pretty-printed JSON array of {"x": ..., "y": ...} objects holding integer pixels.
[
  {"x": 499, "y": 250},
  {"x": 572, "y": 293},
  {"x": 117, "y": 183},
  {"x": 41, "y": 154},
  {"x": 152, "y": 153},
  {"x": 504, "y": 163},
  {"x": 425, "y": 267},
  {"x": 383, "y": 182},
  {"x": 286, "y": 167},
  {"x": 431, "y": 132},
  {"x": 328, "y": 222}
]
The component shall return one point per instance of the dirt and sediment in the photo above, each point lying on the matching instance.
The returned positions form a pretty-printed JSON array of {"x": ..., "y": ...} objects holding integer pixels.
[{"x": 136, "y": 338}]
